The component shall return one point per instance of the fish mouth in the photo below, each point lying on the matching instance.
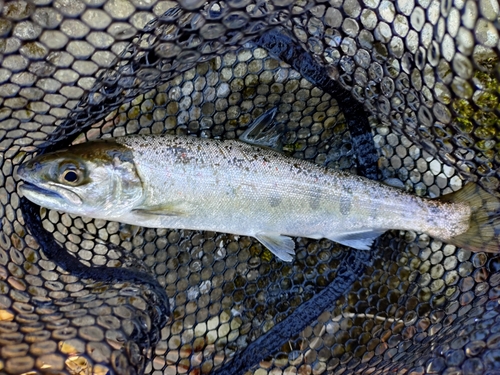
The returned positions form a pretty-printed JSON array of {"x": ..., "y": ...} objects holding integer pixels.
[
  {"x": 57, "y": 198},
  {"x": 38, "y": 190}
]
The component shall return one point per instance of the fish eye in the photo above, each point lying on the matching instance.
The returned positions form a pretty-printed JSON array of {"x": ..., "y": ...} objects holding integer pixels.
[{"x": 70, "y": 175}]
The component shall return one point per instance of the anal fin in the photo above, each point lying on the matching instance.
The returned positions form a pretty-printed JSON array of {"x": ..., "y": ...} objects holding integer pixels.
[
  {"x": 281, "y": 246},
  {"x": 357, "y": 240}
]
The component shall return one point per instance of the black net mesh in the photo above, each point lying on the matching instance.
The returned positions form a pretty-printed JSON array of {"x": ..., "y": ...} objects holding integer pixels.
[{"x": 398, "y": 90}]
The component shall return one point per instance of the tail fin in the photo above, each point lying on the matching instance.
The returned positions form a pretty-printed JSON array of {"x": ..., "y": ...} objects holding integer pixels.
[{"x": 484, "y": 225}]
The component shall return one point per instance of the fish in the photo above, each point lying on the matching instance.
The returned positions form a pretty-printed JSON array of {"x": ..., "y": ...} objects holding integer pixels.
[{"x": 186, "y": 182}]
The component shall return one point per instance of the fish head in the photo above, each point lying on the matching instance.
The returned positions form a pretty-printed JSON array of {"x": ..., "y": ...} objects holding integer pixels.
[{"x": 95, "y": 179}]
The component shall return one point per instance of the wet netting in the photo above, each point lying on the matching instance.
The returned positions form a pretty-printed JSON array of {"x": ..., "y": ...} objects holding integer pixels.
[{"x": 403, "y": 91}]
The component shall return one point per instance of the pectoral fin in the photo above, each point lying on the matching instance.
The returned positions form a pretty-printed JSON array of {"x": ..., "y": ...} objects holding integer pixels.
[
  {"x": 281, "y": 246},
  {"x": 357, "y": 240},
  {"x": 166, "y": 209}
]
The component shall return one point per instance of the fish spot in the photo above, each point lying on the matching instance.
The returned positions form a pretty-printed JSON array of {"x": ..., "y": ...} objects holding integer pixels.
[
  {"x": 346, "y": 202},
  {"x": 434, "y": 210},
  {"x": 275, "y": 199},
  {"x": 314, "y": 197}
]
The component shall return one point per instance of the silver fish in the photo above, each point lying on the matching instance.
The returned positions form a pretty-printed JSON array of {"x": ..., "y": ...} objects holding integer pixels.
[{"x": 229, "y": 186}]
